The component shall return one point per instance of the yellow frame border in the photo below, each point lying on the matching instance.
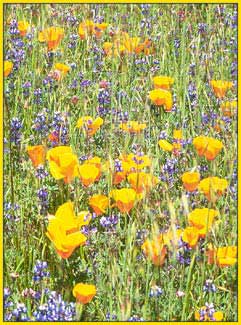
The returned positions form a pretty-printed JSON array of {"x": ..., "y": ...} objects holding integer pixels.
[{"x": 2, "y": 2}]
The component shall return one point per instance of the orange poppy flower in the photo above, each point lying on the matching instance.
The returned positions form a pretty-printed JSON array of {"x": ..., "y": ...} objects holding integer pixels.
[
  {"x": 88, "y": 27},
  {"x": 125, "y": 198},
  {"x": 52, "y": 36},
  {"x": 63, "y": 163},
  {"x": 162, "y": 82},
  {"x": 84, "y": 293},
  {"x": 89, "y": 125},
  {"x": 212, "y": 187},
  {"x": 142, "y": 182},
  {"x": 8, "y": 67},
  {"x": 207, "y": 147},
  {"x": 220, "y": 87},
  {"x": 64, "y": 229},
  {"x": 146, "y": 47},
  {"x": 99, "y": 203},
  {"x": 191, "y": 180},
  {"x": 202, "y": 219},
  {"x": 161, "y": 97},
  {"x": 99, "y": 28},
  {"x": 222, "y": 256},
  {"x": 155, "y": 250},
  {"x": 23, "y": 27},
  {"x": 130, "y": 43},
  {"x": 37, "y": 154},
  {"x": 229, "y": 108}
]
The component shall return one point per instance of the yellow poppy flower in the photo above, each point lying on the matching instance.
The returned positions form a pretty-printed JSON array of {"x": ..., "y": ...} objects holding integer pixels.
[
  {"x": 163, "y": 82},
  {"x": 132, "y": 127},
  {"x": 229, "y": 108},
  {"x": 191, "y": 180},
  {"x": 161, "y": 97},
  {"x": 142, "y": 182},
  {"x": 99, "y": 203},
  {"x": 125, "y": 198},
  {"x": 84, "y": 293},
  {"x": 190, "y": 236},
  {"x": 64, "y": 229},
  {"x": 165, "y": 145},
  {"x": 8, "y": 67},
  {"x": 88, "y": 174},
  {"x": 52, "y": 36},
  {"x": 146, "y": 47},
  {"x": 207, "y": 147},
  {"x": 177, "y": 139},
  {"x": 99, "y": 28},
  {"x": 202, "y": 219},
  {"x": 155, "y": 250},
  {"x": 63, "y": 163},
  {"x": 222, "y": 256},
  {"x": 63, "y": 69},
  {"x": 89, "y": 125},
  {"x": 213, "y": 187},
  {"x": 23, "y": 27},
  {"x": 220, "y": 87},
  {"x": 88, "y": 27}
]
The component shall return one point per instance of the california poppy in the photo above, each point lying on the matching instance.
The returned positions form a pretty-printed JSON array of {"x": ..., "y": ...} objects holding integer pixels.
[
  {"x": 23, "y": 27},
  {"x": 99, "y": 203},
  {"x": 60, "y": 70},
  {"x": 161, "y": 97},
  {"x": 52, "y": 36},
  {"x": 213, "y": 187},
  {"x": 229, "y": 108},
  {"x": 88, "y": 173},
  {"x": 220, "y": 87},
  {"x": 162, "y": 82},
  {"x": 37, "y": 154},
  {"x": 202, "y": 219},
  {"x": 191, "y": 180},
  {"x": 207, "y": 147},
  {"x": 132, "y": 127},
  {"x": 190, "y": 236},
  {"x": 84, "y": 293},
  {"x": 64, "y": 229},
  {"x": 125, "y": 198},
  {"x": 155, "y": 250},
  {"x": 89, "y": 125},
  {"x": 8, "y": 67},
  {"x": 165, "y": 145},
  {"x": 222, "y": 256},
  {"x": 142, "y": 182},
  {"x": 63, "y": 163}
]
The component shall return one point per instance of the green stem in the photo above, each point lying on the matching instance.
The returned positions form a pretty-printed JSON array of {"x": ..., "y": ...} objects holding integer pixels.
[
  {"x": 79, "y": 311},
  {"x": 186, "y": 301}
]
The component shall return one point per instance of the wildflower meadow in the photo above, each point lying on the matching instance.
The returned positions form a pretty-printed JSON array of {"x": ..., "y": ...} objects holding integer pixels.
[{"x": 120, "y": 162}]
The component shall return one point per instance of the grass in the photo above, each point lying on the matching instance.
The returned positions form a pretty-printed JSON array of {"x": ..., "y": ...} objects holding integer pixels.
[{"x": 113, "y": 259}]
